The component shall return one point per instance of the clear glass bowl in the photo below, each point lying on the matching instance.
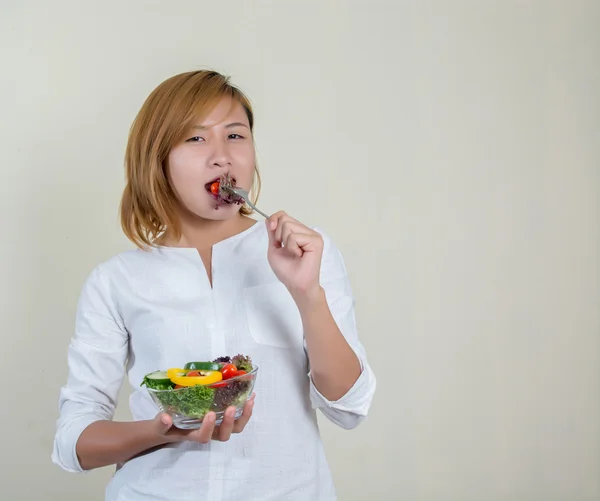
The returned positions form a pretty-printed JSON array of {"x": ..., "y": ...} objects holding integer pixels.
[{"x": 188, "y": 406}]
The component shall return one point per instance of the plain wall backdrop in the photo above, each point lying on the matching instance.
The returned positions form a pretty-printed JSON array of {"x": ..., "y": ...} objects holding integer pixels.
[{"x": 451, "y": 148}]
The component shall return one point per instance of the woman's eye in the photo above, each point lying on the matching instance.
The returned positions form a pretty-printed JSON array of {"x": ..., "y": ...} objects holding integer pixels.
[
  {"x": 195, "y": 139},
  {"x": 235, "y": 136}
]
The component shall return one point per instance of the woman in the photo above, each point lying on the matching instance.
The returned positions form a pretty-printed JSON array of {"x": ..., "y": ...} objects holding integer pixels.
[{"x": 206, "y": 281}]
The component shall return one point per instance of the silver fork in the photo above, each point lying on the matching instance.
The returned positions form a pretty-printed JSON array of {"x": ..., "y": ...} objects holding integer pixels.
[{"x": 244, "y": 194}]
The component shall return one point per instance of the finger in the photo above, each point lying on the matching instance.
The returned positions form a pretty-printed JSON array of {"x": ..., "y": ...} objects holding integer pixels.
[
  {"x": 291, "y": 226},
  {"x": 271, "y": 234},
  {"x": 205, "y": 432},
  {"x": 274, "y": 229},
  {"x": 283, "y": 222},
  {"x": 223, "y": 432},
  {"x": 299, "y": 243},
  {"x": 164, "y": 423},
  {"x": 273, "y": 221},
  {"x": 292, "y": 246},
  {"x": 241, "y": 423}
]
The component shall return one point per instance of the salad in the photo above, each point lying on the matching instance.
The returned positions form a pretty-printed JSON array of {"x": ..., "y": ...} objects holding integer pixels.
[
  {"x": 219, "y": 189},
  {"x": 199, "y": 387}
]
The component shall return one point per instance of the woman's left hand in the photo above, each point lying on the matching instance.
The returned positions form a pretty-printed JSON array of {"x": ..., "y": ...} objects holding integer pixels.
[{"x": 295, "y": 253}]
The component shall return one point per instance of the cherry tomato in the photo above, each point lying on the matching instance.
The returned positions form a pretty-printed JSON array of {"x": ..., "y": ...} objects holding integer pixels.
[
  {"x": 229, "y": 371},
  {"x": 178, "y": 386},
  {"x": 214, "y": 188},
  {"x": 218, "y": 385},
  {"x": 241, "y": 373},
  {"x": 193, "y": 374}
]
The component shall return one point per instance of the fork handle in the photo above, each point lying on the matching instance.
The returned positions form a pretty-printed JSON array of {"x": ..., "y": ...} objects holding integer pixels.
[{"x": 257, "y": 209}]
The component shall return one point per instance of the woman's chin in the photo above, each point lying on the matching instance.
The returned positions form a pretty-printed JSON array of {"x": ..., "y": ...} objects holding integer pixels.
[{"x": 219, "y": 212}]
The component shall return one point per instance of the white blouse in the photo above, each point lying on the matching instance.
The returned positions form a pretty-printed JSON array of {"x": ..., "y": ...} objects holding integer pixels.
[{"x": 147, "y": 310}]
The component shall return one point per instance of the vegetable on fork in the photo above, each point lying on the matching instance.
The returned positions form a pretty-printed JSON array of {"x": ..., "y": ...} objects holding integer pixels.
[{"x": 225, "y": 190}]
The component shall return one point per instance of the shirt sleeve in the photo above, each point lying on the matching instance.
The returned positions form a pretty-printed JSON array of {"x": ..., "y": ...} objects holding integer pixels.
[
  {"x": 96, "y": 361},
  {"x": 352, "y": 408}
]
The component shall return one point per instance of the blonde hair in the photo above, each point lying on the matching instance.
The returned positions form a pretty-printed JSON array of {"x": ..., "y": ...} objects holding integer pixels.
[{"x": 148, "y": 203}]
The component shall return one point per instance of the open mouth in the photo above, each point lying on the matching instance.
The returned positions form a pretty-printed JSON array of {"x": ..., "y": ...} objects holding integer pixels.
[{"x": 217, "y": 190}]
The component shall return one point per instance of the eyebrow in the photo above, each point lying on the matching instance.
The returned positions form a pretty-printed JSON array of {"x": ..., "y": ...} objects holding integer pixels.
[{"x": 228, "y": 126}]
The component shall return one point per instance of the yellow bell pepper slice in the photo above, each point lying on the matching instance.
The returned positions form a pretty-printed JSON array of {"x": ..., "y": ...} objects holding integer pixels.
[
  {"x": 178, "y": 376},
  {"x": 171, "y": 373}
]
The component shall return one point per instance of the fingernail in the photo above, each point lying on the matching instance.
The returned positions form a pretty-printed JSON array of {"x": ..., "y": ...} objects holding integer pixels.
[{"x": 164, "y": 420}]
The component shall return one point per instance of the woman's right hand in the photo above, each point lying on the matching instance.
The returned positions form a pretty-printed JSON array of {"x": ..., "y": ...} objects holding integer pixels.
[{"x": 208, "y": 431}]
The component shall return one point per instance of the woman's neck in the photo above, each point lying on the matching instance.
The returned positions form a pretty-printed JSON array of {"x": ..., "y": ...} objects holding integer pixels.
[{"x": 204, "y": 233}]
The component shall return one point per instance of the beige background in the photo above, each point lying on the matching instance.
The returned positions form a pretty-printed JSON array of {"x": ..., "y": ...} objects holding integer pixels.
[{"x": 451, "y": 149}]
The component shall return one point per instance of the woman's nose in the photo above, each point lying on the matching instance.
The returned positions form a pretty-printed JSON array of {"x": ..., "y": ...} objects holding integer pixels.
[{"x": 220, "y": 155}]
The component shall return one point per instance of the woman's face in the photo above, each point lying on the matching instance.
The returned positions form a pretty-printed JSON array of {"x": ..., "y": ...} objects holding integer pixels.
[{"x": 221, "y": 144}]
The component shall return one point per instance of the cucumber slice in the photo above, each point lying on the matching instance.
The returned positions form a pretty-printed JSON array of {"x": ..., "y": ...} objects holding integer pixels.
[
  {"x": 157, "y": 380},
  {"x": 202, "y": 366},
  {"x": 159, "y": 377}
]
